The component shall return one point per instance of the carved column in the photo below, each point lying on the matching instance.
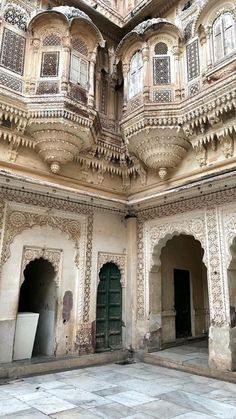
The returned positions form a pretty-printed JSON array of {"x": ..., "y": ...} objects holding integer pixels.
[
  {"x": 220, "y": 356},
  {"x": 145, "y": 53},
  {"x": 66, "y": 64},
  {"x": 98, "y": 89},
  {"x": 112, "y": 100},
  {"x": 125, "y": 75},
  {"x": 203, "y": 51},
  {"x": 176, "y": 54},
  {"x": 209, "y": 47},
  {"x": 34, "y": 66},
  {"x": 91, "y": 79}
]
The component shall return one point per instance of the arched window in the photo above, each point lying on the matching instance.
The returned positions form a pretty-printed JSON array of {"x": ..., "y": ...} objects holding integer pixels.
[
  {"x": 223, "y": 36},
  {"x": 135, "y": 77},
  {"x": 79, "y": 63},
  {"x": 161, "y": 64},
  {"x": 50, "y": 55}
]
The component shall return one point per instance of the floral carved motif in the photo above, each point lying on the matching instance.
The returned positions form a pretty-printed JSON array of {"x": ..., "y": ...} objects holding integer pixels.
[
  {"x": 87, "y": 281},
  {"x": 215, "y": 281},
  {"x": 84, "y": 339},
  {"x": 118, "y": 259},
  {"x": 54, "y": 256}
]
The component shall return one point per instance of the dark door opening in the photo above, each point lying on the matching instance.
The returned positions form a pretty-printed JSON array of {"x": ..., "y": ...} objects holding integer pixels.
[
  {"x": 182, "y": 303},
  {"x": 38, "y": 295},
  {"x": 109, "y": 309}
]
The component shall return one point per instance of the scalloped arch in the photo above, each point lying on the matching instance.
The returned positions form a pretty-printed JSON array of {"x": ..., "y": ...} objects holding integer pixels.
[
  {"x": 141, "y": 31},
  {"x": 226, "y": 6}
]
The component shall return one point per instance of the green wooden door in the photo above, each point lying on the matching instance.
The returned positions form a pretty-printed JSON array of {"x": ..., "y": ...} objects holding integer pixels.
[{"x": 109, "y": 309}]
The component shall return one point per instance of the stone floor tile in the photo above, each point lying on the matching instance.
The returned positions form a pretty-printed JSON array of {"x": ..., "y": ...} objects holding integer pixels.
[
  {"x": 49, "y": 405},
  {"x": 113, "y": 410},
  {"x": 78, "y": 413},
  {"x": 151, "y": 388},
  {"x": 32, "y": 396},
  {"x": 52, "y": 384},
  {"x": 78, "y": 397},
  {"x": 12, "y": 405},
  {"x": 201, "y": 404},
  {"x": 195, "y": 388},
  {"x": 195, "y": 415},
  {"x": 88, "y": 383},
  {"x": 139, "y": 416},
  {"x": 26, "y": 414},
  {"x": 4, "y": 395},
  {"x": 162, "y": 409},
  {"x": 18, "y": 388},
  {"x": 224, "y": 396},
  {"x": 130, "y": 398},
  {"x": 109, "y": 391}
]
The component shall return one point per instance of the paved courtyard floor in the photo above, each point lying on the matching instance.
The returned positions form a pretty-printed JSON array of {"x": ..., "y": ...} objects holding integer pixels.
[{"x": 118, "y": 391}]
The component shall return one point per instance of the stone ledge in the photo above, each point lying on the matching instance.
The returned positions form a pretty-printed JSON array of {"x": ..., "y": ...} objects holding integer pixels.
[{"x": 204, "y": 371}]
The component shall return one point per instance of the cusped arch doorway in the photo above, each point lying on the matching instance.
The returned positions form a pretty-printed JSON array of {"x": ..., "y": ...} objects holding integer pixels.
[
  {"x": 38, "y": 294},
  {"x": 109, "y": 309}
]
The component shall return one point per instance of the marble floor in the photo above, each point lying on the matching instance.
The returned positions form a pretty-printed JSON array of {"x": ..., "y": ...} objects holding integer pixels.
[
  {"x": 118, "y": 391},
  {"x": 194, "y": 353}
]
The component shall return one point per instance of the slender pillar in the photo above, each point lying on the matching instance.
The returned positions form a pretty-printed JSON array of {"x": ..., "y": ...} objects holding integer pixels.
[
  {"x": 91, "y": 79},
  {"x": 125, "y": 75},
  {"x": 131, "y": 281},
  {"x": 209, "y": 47},
  {"x": 66, "y": 64},
  {"x": 145, "y": 54}
]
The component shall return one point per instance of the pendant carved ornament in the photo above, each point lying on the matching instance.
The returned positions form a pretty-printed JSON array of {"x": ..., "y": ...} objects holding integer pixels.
[{"x": 160, "y": 149}]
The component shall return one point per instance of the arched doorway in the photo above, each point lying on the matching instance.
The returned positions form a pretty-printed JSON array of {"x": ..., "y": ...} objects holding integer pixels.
[
  {"x": 179, "y": 306},
  {"x": 109, "y": 309},
  {"x": 38, "y": 294}
]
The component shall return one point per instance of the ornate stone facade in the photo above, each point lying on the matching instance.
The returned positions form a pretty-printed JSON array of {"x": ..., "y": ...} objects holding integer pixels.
[{"x": 99, "y": 124}]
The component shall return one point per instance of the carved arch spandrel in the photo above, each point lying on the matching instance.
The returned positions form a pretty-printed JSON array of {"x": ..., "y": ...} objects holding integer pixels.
[
  {"x": 118, "y": 259},
  {"x": 18, "y": 221},
  {"x": 160, "y": 234},
  {"x": 54, "y": 256}
]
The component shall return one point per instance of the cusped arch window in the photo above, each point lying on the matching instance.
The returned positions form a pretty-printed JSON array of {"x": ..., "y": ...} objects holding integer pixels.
[
  {"x": 161, "y": 64},
  {"x": 79, "y": 63},
  {"x": 224, "y": 36},
  {"x": 135, "y": 76},
  {"x": 50, "y": 60}
]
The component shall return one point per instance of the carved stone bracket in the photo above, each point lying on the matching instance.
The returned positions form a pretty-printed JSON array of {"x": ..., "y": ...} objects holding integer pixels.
[
  {"x": 54, "y": 256},
  {"x": 118, "y": 259}
]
